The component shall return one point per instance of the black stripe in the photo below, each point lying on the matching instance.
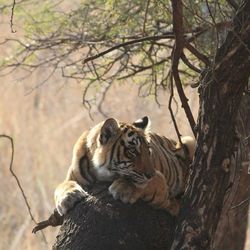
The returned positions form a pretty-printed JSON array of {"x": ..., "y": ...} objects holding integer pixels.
[
  {"x": 170, "y": 175},
  {"x": 118, "y": 154},
  {"x": 167, "y": 166},
  {"x": 113, "y": 148},
  {"x": 176, "y": 181},
  {"x": 80, "y": 166},
  {"x": 85, "y": 169}
]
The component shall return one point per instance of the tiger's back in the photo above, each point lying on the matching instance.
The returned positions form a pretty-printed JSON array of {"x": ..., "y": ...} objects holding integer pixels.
[{"x": 171, "y": 160}]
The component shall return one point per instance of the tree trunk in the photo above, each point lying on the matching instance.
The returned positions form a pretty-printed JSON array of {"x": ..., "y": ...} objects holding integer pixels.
[
  {"x": 221, "y": 91},
  {"x": 232, "y": 227},
  {"x": 100, "y": 222}
]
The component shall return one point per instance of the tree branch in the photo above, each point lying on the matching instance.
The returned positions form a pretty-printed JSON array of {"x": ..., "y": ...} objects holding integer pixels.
[
  {"x": 176, "y": 55},
  {"x": 197, "y": 53},
  {"x": 135, "y": 41},
  {"x": 54, "y": 220},
  {"x": 18, "y": 182},
  {"x": 189, "y": 64},
  {"x": 233, "y": 4},
  {"x": 145, "y": 19},
  {"x": 12, "y": 16}
]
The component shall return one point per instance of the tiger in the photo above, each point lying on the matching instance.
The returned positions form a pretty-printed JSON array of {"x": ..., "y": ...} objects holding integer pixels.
[{"x": 137, "y": 163}]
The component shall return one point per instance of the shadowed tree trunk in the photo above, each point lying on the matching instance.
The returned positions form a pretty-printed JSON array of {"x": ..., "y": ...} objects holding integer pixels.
[
  {"x": 102, "y": 223},
  {"x": 232, "y": 227},
  {"x": 220, "y": 91}
]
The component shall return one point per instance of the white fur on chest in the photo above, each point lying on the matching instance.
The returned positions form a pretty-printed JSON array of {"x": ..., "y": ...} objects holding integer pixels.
[
  {"x": 103, "y": 174},
  {"x": 101, "y": 167}
]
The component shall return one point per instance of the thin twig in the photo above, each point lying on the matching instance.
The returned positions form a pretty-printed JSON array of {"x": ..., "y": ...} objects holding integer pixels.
[
  {"x": 17, "y": 180},
  {"x": 214, "y": 23},
  {"x": 12, "y": 16},
  {"x": 198, "y": 54},
  {"x": 233, "y": 4},
  {"x": 171, "y": 111},
  {"x": 189, "y": 64},
  {"x": 145, "y": 19}
]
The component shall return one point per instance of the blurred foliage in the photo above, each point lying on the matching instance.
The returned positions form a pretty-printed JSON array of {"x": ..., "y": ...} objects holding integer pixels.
[{"x": 59, "y": 35}]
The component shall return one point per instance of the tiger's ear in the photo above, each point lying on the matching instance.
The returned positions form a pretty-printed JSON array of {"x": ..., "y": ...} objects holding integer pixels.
[
  {"x": 108, "y": 130},
  {"x": 143, "y": 123}
]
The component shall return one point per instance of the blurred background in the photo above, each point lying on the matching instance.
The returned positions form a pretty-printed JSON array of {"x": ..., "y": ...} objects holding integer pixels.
[
  {"x": 45, "y": 124},
  {"x": 45, "y": 121}
]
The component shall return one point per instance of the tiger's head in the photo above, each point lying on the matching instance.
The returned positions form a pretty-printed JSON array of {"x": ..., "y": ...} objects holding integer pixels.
[{"x": 121, "y": 149}]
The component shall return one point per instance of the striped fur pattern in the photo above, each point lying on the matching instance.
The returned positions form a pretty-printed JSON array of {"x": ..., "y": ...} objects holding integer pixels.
[{"x": 139, "y": 164}]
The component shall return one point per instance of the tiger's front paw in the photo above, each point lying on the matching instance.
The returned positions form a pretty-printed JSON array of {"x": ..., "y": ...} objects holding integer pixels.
[
  {"x": 125, "y": 191},
  {"x": 67, "y": 195}
]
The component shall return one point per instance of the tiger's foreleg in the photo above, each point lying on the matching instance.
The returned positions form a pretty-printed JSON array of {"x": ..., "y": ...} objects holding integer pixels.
[
  {"x": 157, "y": 194},
  {"x": 67, "y": 194},
  {"x": 71, "y": 191}
]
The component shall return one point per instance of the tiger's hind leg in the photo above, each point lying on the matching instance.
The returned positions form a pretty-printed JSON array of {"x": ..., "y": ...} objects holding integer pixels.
[{"x": 157, "y": 194}]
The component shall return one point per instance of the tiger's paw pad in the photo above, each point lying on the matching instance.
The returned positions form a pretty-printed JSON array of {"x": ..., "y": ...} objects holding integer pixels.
[
  {"x": 68, "y": 200},
  {"x": 124, "y": 191}
]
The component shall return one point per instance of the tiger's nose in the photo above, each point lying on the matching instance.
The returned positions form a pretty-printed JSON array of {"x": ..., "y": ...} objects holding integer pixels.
[{"x": 149, "y": 175}]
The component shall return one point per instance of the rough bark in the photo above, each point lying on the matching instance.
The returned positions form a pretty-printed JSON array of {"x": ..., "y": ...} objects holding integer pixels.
[
  {"x": 232, "y": 227},
  {"x": 221, "y": 90},
  {"x": 100, "y": 222}
]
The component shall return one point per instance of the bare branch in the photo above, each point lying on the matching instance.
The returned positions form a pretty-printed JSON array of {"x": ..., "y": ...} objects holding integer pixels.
[
  {"x": 233, "y": 4},
  {"x": 214, "y": 23},
  {"x": 142, "y": 69},
  {"x": 18, "y": 182},
  {"x": 176, "y": 54},
  {"x": 189, "y": 64},
  {"x": 171, "y": 111},
  {"x": 54, "y": 220},
  {"x": 16, "y": 178},
  {"x": 197, "y": 53},
  {"x": 145, "y": 19},
  {"x": 139, "y": 40},
  {"x": 12, "y": 16}
]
